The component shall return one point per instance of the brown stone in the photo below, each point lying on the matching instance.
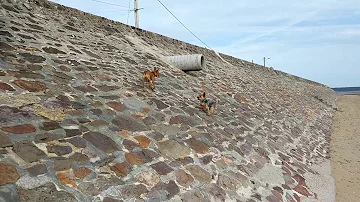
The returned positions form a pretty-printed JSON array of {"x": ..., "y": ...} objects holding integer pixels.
[
  {"x": 125, "y": 133},
  {"x": 121, "y": 169},
  {"x": 197, "y": 146},
  {"x": 5, "y": 141},
  {"x": 138, "y": 115},
  {"x": 66, "y": 180},
  {"x": 102, "y": 142},
  {"x": 148, "y": 178},
  {"x": 162, "y": 168},
  {"x": 134, "y": 159},
  {"x": 8, "y": 174},
  {"x": 32, "y": 86},
  {"x": 117, "y": 106},
  {"x": 5, "y": 86},
  {"x": 81, "y": 172},
  {"x": 146, "y": 110},
  {"x": 173, "y": 149},
  {"x": 20, "y": 129},
  {"x": 143, "y": 141},
  {"x": 52, "y": 125},
  {"x": 183, "y": 178},
  {"x": 200, "y": 174}
]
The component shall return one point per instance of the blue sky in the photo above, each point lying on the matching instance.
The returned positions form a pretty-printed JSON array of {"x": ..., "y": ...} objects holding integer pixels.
[{"x": 314, "y": 39}]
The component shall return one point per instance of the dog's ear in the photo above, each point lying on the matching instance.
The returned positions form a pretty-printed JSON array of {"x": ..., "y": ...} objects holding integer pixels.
[
  {"x": 154, "y": 68},
  {"x": 204, "y": 93}
]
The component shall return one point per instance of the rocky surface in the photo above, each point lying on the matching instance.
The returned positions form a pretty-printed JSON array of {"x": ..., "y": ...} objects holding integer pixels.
[{"x": 76, "y": 123}]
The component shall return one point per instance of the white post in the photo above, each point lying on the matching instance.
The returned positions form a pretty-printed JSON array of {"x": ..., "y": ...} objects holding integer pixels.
[{"x": 136, "y": 9}]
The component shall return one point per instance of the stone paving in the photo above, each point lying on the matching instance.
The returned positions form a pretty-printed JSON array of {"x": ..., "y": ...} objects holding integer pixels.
[{"x": 76, "y": 123}]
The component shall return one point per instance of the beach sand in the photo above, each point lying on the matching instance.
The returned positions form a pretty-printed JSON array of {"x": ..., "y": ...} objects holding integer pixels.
[{"x": 345, "y": 149}]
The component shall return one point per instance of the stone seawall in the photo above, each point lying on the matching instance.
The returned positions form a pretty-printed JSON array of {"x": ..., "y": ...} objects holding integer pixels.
[{"x": 76, "y": 123}]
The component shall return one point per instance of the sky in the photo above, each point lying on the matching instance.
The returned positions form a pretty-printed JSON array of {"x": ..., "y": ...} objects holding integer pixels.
[{"x": 314, "y": 39}]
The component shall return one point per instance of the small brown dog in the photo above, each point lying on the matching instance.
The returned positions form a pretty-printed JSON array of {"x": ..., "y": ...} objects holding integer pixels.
[
  {"x": 149, "y": 76},
  {"x": 206, "y": 104}
]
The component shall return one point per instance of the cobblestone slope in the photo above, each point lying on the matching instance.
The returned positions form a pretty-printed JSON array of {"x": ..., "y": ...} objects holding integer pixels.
[{"x": 76, "y": 123}]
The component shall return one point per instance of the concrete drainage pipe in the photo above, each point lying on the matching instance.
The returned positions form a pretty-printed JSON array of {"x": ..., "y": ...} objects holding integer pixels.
[{"x": 187, "y": 62}]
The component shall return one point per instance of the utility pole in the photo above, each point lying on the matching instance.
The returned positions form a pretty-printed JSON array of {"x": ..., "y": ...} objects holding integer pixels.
[
  {"x": 136, "y": 10},
  {"x": 264, "y": 61}
]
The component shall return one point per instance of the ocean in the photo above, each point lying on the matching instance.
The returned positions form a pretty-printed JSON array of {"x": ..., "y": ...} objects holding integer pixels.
[{"x": 347, "y": 90}]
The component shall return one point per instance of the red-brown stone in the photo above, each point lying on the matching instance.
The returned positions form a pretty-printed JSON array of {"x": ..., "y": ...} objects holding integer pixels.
[
  {"x": 32, "y": 86},
  {"x": 143, "y": 141},
  {"x": 20, "y": 129},
  {"x": 5, "y": 86},
  {"x": 134, "y": 159},
  {"x": 8, "y": 174},
  {"x": 121, "y": 169},
  {"x": 81, "y": 172}
]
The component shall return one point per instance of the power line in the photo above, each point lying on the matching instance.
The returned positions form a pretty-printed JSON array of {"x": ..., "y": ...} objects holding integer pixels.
[
  {"x": 127, "y": 21},
  {"x": 184, "y": 25},
  {"x": 109, "y": 3}
]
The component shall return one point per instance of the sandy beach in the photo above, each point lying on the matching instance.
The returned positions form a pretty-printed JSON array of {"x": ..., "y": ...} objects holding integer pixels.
[{"x": 345, "y": 149}]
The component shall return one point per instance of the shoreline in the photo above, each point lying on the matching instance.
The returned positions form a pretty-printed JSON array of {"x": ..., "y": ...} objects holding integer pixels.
[{"x": 344, "y": 148}]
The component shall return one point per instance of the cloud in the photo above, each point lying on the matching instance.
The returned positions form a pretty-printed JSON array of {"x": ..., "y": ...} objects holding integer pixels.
[{"x": 316, "y": 39}]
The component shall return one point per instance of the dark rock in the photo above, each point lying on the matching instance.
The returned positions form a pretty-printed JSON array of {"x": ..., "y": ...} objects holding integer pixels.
[
  {"x": 101, "y": 184},
  {"x": 183, "y": 178},
  {"x": 117, "y": 106},
  {"x": 52, "y": 125},
  {"x": 13, "y": 115},
  {"x": 52, "y": 50},
  {"x": 171, "y": 188},
  {"x": 128, "y": 123},
  {"x": 200, "y": 174},
  {"x": 47, "y": 192},
  {"x": 121, "y": 169},
  {"x": 133, "y": 191},
  {"x": 149, "y": 120},
  {"x": 218, "y": 193},
  {"x": 246, "y": 148},
  {"x": 96, "y": 112},
  {"x": 5, "y": 86},
  {"x": 33, "y": 58},
  {"x": 206, "y": 159},
  {"x": 161, "y": 168},
  {"x": 227, "y": 183},
  {"x": 6, "y": 47},
  {"x": 77, "y": 142},
  {"x": 86, "y": 89},
  {"x": 59, "y": 150},
  {"x": 193, "y": 196},
  {"x": 5, "y": 141},
  {"x": 20, "y": 129},
  {"x": 156, "y": 135},
  {"x": 81, "y": 172},
  {"x": 106, "y": 88},
  {"x": 129, "y": 145},
  {"x": 160, "y": 105},
  {"x": 8, "y": 174},
  {"x": 104, "y": 161},
  {"x": 78, "y": 157},
  {"x": 147, "y": 155},
  {"x": 47, "y": 137},
  {"x": 61, "y": 164},
  {"x": 198, "y": 146},
  {"x": 31, "y": 86},
  {"x": 72, "y": 132},
  {"x": 98, "y": 123},
  {"x": 108, "y": 199},
  {"x": 37, "y": 169},
  {"x": 28, "y": 152},
  {"x": 102, "y": 142}
]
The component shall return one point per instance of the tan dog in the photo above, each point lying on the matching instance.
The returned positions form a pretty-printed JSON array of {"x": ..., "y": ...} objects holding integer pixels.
[
  {"x": 149, "y": 76},
  {"x": 206, "y": 104}
]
